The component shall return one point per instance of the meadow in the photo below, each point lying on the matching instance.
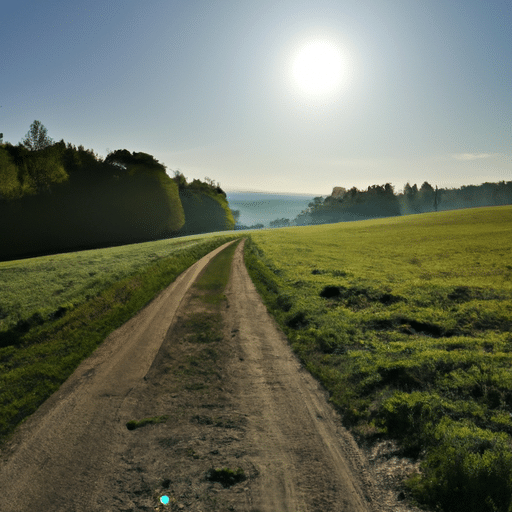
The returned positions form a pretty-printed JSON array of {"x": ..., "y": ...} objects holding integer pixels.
[
  {"x": 57, "y": 309},
  {"x": 46, "y": 285},
  {"x": 407, "y": 322}
]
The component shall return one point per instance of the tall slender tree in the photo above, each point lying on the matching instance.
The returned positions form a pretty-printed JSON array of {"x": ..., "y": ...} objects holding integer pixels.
[{"x": 37, "y": 137}]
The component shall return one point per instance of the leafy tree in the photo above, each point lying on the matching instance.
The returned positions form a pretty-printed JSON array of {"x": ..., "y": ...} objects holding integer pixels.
[
  {"x": 10, "y": 186},
  {"x": 236, "y": 215},
  {"x": 278, "y": 223},
  {"x": 426, "y": 188},
  {"x": 410, "y": 192},
  {"x": 37, "y": 137},
  {"x": 210, "y": 182},
  {"x": 180, "y": 179},
  {"x": 36, "y": 170},
  {"x": 427, "y": 196},
  {"x": 317, "y": 201},
  {"x": 436, "y": 199},
  {"x": 45, "y": 167},
  {"x": 389, "y": 189}
]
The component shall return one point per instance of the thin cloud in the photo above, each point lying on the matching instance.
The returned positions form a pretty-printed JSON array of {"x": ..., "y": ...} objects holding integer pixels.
[{"x": 471, "y": 156}]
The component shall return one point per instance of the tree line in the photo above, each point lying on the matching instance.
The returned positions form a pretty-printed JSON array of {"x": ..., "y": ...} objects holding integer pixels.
[
  {"x": 57, "y": 197},
  {"x": 382, "y": 201}
]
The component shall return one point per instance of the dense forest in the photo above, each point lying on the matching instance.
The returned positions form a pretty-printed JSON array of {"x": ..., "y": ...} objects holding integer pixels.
[
  {"x": 382, "y": 201},
  {"x": 56, "y": 197}
]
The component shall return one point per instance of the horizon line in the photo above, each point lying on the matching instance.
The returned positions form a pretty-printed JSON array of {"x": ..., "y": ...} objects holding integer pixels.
[{"x": 273, "y": 192}]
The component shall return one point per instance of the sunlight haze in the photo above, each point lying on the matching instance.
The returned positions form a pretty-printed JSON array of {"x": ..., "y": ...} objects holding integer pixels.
[
  {"x": 289, "y": 96},
  {"x": 318, "y": 67}
]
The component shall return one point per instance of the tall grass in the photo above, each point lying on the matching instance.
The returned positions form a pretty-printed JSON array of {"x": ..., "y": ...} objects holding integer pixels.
[{"x": 407, "y": 322}]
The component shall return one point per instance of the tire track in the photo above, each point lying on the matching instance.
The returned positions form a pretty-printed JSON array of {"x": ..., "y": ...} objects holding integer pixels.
[
  {"x": 306, "y": 460},
  {"x": 60, "y": 457}
]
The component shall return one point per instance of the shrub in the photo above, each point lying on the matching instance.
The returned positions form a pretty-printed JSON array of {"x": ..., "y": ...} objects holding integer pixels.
[
  {"x": 470, "y": 470},
  {"x": 284, "y": 302},
  {"x": 410, "y": 417}
]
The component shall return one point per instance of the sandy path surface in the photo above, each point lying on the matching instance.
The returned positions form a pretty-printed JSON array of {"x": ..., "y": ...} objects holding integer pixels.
[
  {"x": 54, "y": 459},
  {"x": 306, "y": 460},
  {"x": 240, "y": 402}
]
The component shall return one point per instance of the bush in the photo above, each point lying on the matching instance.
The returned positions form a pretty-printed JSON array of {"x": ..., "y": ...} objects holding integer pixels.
[
  {"x": 470, "y": 470},
  {"x": 410, "y": 417},
  {"x": 284, "y": 302}
]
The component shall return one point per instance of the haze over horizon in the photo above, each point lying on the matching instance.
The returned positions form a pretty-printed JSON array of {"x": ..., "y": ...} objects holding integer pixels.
[{"x": 289, "y": 96}]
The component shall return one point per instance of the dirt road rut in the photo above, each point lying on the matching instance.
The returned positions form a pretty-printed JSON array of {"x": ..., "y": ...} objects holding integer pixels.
[
  {"x": 57, "y": 459},
  {"x": 306, "y": 460}
]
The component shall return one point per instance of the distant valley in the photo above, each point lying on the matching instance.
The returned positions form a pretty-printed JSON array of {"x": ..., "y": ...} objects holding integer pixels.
[{"x": 264, "y": 207}]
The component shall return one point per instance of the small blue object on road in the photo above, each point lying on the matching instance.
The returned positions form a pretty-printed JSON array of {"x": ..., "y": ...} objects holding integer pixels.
[{"x": 164, "y": 499}]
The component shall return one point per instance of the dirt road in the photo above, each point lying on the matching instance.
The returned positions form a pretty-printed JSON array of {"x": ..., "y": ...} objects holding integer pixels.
[
  {"x": 240, "y": 402},
  {"x": 306, "y": 461},
  {"x": 56, "y": 459}
]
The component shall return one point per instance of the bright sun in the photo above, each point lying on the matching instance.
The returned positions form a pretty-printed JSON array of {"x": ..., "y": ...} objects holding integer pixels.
[{"x": 318, "y": 67}]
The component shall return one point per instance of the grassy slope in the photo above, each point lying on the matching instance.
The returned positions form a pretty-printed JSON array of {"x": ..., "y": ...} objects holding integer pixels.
[
  {"x": 412, "y": 337},
  {"x": 40, "y": 354},
  {"x": 43, "y": 285}
]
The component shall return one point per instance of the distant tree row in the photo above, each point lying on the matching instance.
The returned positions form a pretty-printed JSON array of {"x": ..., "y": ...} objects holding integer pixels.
[
  {"x": 243, "y": 227},
  {"x": 381, "y": 201},
  {"x": 280, "y": 223},
  {"x": 57, "y": 197}
]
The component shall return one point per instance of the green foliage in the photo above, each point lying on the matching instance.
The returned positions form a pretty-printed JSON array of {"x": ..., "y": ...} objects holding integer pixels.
[
  {"x": 381, "y": 201},
  {"x": 205, "y": 204},
  {"x": 468, "y": 469},
  {"x": 45, "y": 169},
  {"x": 176, "y": 218},
  {"x": 263, "y": 277},
  {"x": 411, "y": 416},
  {"x": 68, "y": 198},
  {"x": 25, "y": 173},
  {"x": 37, "y": 138},
  {"x": 205, "y": 209},
  {"x": 134, "y": 162},
  {"x": 407, "y": 322},
  {"x": 280, "y": 223},
  {"x": 10, "y": 186},
  {"x": 62, "y": 198}
]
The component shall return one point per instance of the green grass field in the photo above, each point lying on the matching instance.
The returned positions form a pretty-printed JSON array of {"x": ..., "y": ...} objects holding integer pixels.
[
  {"x": 407, "y": 322},
  {"x": 58, "y": 309},
  {"x": 46, "y": 285}
]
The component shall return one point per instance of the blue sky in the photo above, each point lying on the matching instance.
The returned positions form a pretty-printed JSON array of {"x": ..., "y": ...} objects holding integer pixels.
[{"x": 207, "y": 87}]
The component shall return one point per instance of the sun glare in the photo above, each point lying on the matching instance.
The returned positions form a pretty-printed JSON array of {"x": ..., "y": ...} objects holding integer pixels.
[{"x": 318, "y": 68}]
